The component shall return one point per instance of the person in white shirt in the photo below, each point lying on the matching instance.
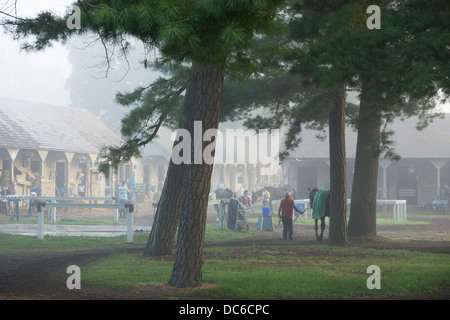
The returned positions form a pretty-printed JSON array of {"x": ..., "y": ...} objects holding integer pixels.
[{"x": 266, "y": 197}]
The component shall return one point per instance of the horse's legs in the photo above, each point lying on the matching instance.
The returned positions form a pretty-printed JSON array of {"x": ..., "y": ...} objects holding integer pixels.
[
  {"x": 322, "y": 226},
  {"x": 316, "y": 228}
]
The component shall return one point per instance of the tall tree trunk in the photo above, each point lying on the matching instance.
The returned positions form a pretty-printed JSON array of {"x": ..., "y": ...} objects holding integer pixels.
[
  {"x": 162, "y": 236},
  {"x": 204, "y": 93},
  {"x": 338, "y": 185},
  {"x": 362, "y": 221}
]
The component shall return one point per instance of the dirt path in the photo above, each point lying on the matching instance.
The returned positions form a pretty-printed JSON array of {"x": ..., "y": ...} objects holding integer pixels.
[{"x": 44, "y": 276}]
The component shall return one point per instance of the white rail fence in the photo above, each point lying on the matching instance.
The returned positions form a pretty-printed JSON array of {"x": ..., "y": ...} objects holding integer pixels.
[
  {"x": 69, "y": 202},
  {"x": 398, "y": 207}
]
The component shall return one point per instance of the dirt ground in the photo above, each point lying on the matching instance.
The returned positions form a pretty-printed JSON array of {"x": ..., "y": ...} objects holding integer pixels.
[{"x": 43, "y": 276}]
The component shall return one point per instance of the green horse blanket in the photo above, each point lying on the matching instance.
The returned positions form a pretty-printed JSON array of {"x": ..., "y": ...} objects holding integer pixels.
[{"x": 320, "y": 204}]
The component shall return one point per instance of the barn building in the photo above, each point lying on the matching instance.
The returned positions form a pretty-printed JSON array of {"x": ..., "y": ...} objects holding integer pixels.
[
  {"x": 51, "y": 150},
  {"x": 239, "y": 163},
  {"x": 54, "y": 151},
  {"x": 421, "y": 176},
  {"x": 149, "y": 171},
  {"x": 236, "y": 174}
]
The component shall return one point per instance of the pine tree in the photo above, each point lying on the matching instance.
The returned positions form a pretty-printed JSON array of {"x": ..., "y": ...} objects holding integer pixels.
[
  {"x": 397, "y": 70},
  {"x": 374, "y": 62},
  {"x": 391, "y": 86},
  {"x": 236, "y": 24}
]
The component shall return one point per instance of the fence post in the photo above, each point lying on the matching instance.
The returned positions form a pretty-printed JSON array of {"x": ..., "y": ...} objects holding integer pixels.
[
  {"x": 130, "y": 208},
  {"x": 53, "y": 211},
  {"x": 221, "y": 209},
  {"x": 404, "y": 211},
  {"x": 116, "y": 211},
  {"x": 40, "y": 231},
  {"x": 395, "y": 212}
]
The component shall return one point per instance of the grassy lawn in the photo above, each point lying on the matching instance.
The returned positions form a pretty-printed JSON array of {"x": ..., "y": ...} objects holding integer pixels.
[
  {"x": 308, "y": 221},
  {"x": 255, "y": 272},
  {"x": 19, "y": 244},
  {"x": 284, "y": 272}
]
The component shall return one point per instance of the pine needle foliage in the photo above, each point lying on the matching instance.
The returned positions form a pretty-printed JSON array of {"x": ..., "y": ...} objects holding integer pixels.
[{"x": 184, "y": 32}]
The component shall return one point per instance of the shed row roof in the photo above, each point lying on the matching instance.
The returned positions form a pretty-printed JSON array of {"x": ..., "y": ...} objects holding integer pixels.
[
  {"x": 33, "y": 125},
  {"x": 433, "y": 142}
]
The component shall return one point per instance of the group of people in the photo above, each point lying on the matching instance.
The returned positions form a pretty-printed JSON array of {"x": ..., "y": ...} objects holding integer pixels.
[
  {"x": 285, "y": 212},
  {"x": 246, "y": 201}
]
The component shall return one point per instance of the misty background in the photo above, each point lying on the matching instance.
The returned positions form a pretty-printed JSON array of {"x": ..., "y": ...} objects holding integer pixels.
[{"x": 74, "y": 74}]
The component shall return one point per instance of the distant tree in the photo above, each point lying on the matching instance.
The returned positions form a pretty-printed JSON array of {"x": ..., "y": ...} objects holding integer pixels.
[
  {"x": 397, "y": 70},
  {"x": 296, "y": 91},
  {"x": 406, "y": 71},
  {"x": 343, "y": 50},
  {"x": 92, "y": 89}
]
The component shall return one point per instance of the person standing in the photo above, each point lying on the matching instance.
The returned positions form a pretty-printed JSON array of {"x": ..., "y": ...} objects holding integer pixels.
[
  {"x": 266, "y": 197},
  {"x": 123, "y": 197},
  {"x": 286, "y": 214},
  {"x": 245, "y": 199}
]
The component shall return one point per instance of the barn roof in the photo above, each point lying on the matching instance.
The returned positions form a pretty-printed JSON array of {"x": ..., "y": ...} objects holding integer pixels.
[
  {"x": 161, "y": 145},
  {"x": 32, "y": 125},
  {"x": 430, "y": 143}
]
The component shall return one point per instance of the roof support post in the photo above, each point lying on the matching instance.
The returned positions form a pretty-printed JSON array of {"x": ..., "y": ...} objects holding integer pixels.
[
  {"x": 43, "y": 155},
  {"x": 13, "y": 154},
  {"x": 69, "y": 156},
  {"x": 438, "y": 164},
  {"x": 384, "y": 163}
]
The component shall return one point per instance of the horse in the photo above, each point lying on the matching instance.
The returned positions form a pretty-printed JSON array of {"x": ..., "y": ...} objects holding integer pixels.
[
  {"x": 275, "y": 193},
  {"x": 320, "y": 209},
  {"x": 223, "y": 194}
]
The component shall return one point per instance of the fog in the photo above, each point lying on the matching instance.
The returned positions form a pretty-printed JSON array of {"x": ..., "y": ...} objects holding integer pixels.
[
  {"x": 42, "y": 76},
  {"x": 55, "y": 74}
]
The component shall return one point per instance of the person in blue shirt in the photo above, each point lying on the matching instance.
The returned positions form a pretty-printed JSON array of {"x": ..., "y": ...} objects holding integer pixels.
[{"x": 123, "y": 197}]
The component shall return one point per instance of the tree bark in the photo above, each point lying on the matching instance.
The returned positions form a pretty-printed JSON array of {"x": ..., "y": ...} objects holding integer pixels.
[
  {"x": 162, "y": 236},
  {"x": 338, "y": 185},
  {"x": 362, "y": 221},
  {"x": 204, "y": 94}
]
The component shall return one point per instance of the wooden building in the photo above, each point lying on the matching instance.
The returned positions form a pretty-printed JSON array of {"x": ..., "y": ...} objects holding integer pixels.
[
  {"x": 51, "y": 150},
  {"x": 419, "y": 177},
  {"x": 237, "y": 173},
  {"x": 148, "y": 172}
]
